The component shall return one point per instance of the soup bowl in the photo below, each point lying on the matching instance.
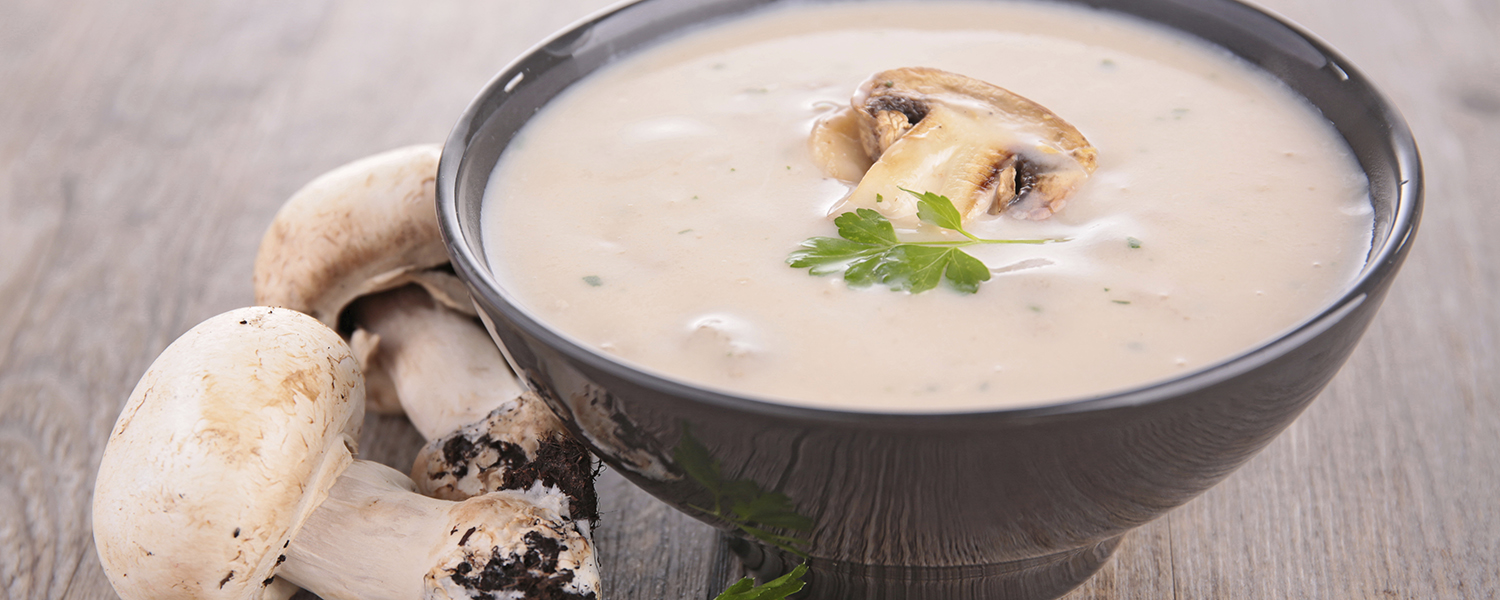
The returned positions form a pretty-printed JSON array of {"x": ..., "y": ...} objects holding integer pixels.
[{"x": 1006, "y": 503}]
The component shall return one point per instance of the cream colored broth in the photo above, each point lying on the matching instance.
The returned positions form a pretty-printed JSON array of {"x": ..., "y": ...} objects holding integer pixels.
[{"x": 648, "y": 213}]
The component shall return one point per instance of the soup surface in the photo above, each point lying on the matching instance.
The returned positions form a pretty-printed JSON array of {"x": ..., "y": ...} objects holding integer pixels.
[{"x": 648, "y": 212}]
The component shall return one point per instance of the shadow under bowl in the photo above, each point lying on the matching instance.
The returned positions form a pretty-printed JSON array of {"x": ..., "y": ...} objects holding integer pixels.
[{"x": 1021, "y": 503}]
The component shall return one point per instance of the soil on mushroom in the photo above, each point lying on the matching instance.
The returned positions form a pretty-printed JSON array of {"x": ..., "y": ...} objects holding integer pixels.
[
  {"x": 560, "y": 462},
  {"x": 534, "y": 573}
]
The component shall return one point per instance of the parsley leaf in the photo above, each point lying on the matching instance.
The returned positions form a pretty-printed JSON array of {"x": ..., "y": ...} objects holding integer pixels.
[
  {"x": 776, "y": 589},
  {"x": 916, "y": 269},
  {"x": 866, "y": 226},
  {"x": 937, "y": 210},
  {"x": 966, "y": 272},
  {"x": 868, "y": 251},
  {"x": 824, "y": 255}
]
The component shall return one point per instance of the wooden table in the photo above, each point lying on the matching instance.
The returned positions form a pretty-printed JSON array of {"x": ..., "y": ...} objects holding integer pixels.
[{"x": 144, "y": 147}]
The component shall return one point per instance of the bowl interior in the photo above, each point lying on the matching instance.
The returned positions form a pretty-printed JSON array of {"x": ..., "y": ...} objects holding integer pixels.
[{"x": 1374, "y": 131}]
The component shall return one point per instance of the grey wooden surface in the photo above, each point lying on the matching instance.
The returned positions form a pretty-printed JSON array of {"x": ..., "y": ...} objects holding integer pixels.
[{"x": 144, "y": 147}]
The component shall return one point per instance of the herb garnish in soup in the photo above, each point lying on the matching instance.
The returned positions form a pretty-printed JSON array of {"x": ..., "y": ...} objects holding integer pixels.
[
  {"x": 1177, "y": 206},
  {"x": 868, "y": 251}
]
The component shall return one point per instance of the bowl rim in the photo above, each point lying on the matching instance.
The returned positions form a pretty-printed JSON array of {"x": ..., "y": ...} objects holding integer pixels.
[{"x": 1383, "y": 260}]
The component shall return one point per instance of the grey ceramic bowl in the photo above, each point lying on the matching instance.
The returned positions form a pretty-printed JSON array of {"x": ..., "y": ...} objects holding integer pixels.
[{"x": 1023, "y": 503}]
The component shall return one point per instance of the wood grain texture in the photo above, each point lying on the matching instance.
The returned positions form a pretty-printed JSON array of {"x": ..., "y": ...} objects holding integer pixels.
[{"x": 144, "y": 147}]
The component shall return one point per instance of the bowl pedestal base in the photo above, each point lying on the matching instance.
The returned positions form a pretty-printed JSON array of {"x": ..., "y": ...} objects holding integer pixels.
[{"x": 1042, "y": 578}]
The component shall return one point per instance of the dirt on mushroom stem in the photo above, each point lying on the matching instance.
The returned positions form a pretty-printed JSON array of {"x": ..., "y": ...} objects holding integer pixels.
[{"x": 519, "y": 446}]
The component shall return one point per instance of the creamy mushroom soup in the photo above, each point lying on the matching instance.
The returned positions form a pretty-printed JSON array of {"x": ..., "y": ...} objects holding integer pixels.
[{"x": 649, "y": 212}]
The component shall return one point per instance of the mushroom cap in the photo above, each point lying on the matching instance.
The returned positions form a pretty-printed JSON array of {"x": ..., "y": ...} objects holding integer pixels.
[
  {"x": 367, "y": 226},
  {"x": 227, "y": 444}
]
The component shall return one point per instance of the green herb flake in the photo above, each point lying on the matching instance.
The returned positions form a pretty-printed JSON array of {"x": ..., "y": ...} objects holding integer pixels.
[
  {"x": 776, "y": 589},
  {"x": 868, "y": 251},
  {"x": 593, "y": 280},
  {"x": 1134, "y": 243},
  {"x": 879, "y": 198},
  {"x": 1120, "y": 301},
  {"x": 684, "y": 231}
]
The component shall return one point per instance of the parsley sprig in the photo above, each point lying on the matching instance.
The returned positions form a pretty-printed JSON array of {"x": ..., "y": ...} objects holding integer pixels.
[
  {"x": 776, "y": 589},
  {"x": 868, "y": 251}
]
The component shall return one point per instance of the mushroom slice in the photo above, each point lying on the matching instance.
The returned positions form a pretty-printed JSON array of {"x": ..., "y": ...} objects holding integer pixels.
[
  {"x": 230, "y": 474},
  {"x": 984, "y": 147},
  {"x": 837, "y": 148}
]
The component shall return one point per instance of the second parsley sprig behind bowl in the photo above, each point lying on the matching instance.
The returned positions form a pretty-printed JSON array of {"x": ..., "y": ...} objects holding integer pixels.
[{"x": 868, "y": 251}]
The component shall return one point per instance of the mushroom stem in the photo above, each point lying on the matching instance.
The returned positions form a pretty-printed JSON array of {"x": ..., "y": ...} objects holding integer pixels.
[
  {"x": 445, "y": 370},
  {"x": 485, "y": 433},
  {"x": 372, "y": 538},
  {"x": 519, "y": 446},
  {"x": 375, "y": 538}
]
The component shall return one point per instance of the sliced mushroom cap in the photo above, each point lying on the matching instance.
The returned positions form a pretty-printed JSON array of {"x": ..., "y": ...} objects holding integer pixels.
[
  {"x": 195, "y": 432},
  {"x": 927, "y": 130}
]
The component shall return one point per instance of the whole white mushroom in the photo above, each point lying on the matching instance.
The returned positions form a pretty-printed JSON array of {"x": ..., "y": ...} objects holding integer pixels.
[{"x": 231, "y": 474}]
